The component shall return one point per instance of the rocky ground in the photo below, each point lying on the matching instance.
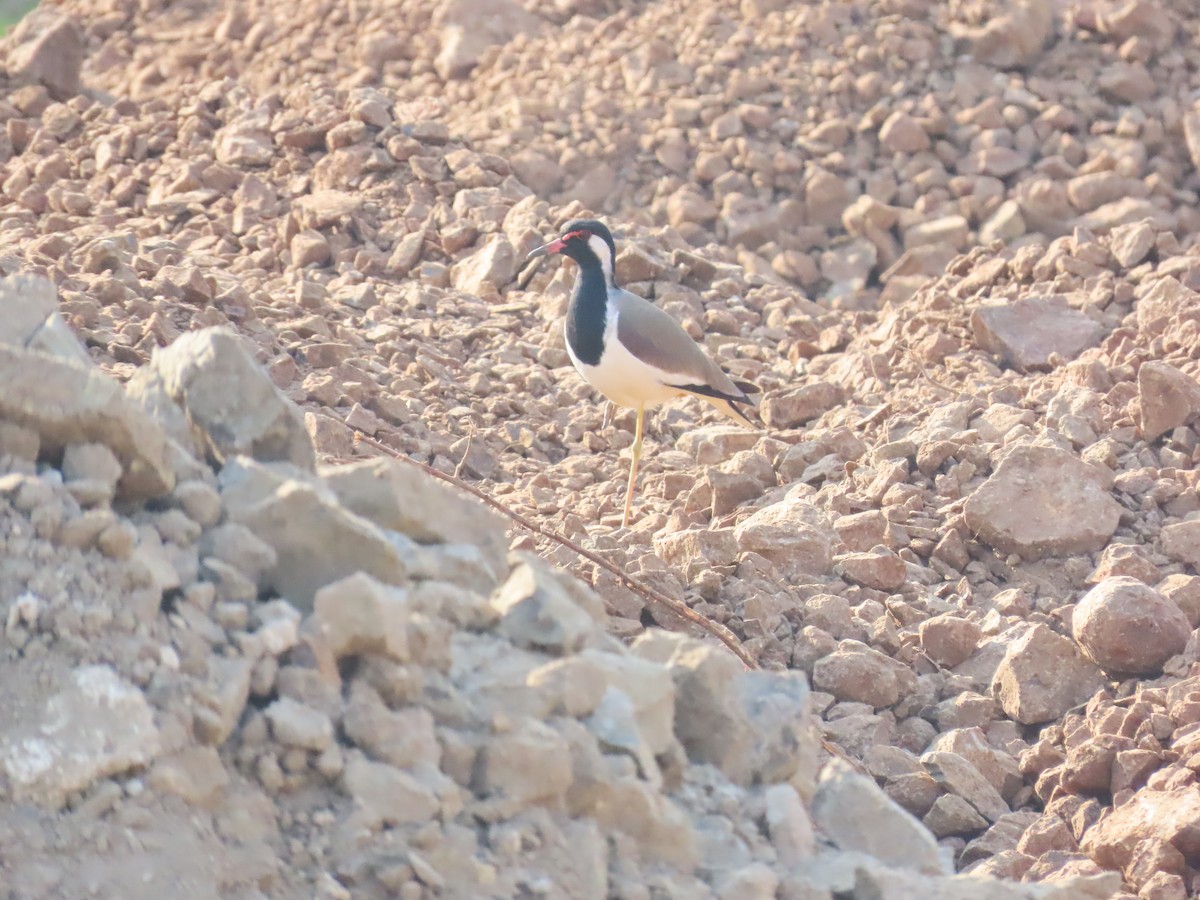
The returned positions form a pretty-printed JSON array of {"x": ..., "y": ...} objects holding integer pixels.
[{"x": 247, "y": 655}]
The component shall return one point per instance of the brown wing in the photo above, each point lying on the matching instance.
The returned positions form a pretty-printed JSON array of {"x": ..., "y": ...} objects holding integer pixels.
[{"x": 659, "y": 341}]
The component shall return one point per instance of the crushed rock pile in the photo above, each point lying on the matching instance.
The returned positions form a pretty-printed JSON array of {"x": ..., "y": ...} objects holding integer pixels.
[
  {"x": 953, "y": 242},
  {"x": 259, "y": 678}
]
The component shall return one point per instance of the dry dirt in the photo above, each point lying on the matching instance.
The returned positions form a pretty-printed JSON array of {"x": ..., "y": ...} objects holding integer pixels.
[{"x": 953, "y": 242}]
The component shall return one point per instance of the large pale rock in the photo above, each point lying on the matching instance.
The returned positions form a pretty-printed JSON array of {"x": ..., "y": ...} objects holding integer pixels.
[
  {"x": 316, "y": 540},
  {"x": 469, "y": 27},
  {"x": 754, "y": 726},
  {"x": 48, "y": 47},
  {"x": 1043, "y": 501},
  {"x": 486, "y": 270},
  {"x": 529, "y": 765},
  {"x": 1043, "y": 675},
  {"x": 795, "y": 406},
  {"x": 1026, "y": 332},
  {"x": 68, "y": 403},
  {"x": 358, "y": 614},
  {"x": 97, "y": 725},
  {"x": 537, "y": 613},
  {"x": 794, "y": 535},
  {"x": 29, "y": 319},
  {"x": 386, "y": 795},
  {"x": 853, "y": 811},
  {"x": 233, "y": 406},
  {"x": 1167, "y": 398},
  {"x": 400, "y": 497},
  {"x": 958, "y": 776},
  {"x": 1171, "y": 816},
  {"x": 861, "y": 674},
  {"x": 1181, "y": 541},
  {"x": 1127, "y": 627}
]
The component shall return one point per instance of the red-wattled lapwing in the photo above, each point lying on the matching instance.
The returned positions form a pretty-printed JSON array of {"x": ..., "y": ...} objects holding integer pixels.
[{"x": 627, "y": 348}]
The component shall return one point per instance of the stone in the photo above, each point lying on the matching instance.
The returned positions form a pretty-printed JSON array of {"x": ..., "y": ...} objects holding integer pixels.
[
  {"x": 469, "y": 27},
  {"x": 358, "y": 614},
  {"x": 1181, "y": 541},
  {"x": 1184, "y": 592},
  {"x": 1131, "y": 243},
  {"x": 1124, "y": 559},
  {"x": 951, "y": 815},
  {"x": 854, "y": 813},
  {"x": 879, "y": 568},
  {"x": 233, "y": 406},
  {"x": 649, "y": 686},
  {"x": 788, "y": 825},
  {"x": 793, "y": 535},
  {"x": 222, "y": 705},
  {"x": 316, "y": 540},
  {"x": 901, "y": 133},
  {"x": 949, "y": 639},
  {"x": 487, "y": 270},
  {"x": 48, "y": 47},
  {"x": 1026, "y": 332},
  {"x": 1171, "y": 816},
  {"x": 1127, "y": 627},
  {"x": 957, "y": 776},
  {"x": 195, "y": 774},
  {"x": 1015, "y": 38},
  {"x": 1043, "y": 501},
  {"x": 1167, "y": 398},
  {"x": 96, "y": 725},
  {"x": 295, "y": 725},
  {"x": 1042, "y": 676},
  {"x": 861, "y": 674},
  {"x": 537, "y": 613},
  {"x": 91, "y": 462},
  {"x": 386, "y": 795},
  {"x": 402, "y": 498},
  {"x": 31, "y": 320},
  {"x": 526, "y": 766},
  {"x": 704, "y": 547},
  {"x": 66, "y": 403},
  {"x": 792, "y": 407}
]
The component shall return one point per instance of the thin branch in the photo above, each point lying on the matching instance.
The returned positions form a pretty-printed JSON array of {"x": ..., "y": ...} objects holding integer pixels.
[{"x": 716, "y": 629}]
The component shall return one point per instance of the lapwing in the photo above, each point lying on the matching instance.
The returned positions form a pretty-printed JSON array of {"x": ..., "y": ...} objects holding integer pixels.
[{"x": 627, "y": 348}]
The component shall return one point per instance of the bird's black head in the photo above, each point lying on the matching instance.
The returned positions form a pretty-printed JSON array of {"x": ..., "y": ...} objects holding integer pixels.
[{"x": 586, "y": 241}]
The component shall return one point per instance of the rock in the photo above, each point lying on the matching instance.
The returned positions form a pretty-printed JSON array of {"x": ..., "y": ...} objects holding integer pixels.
[
  {"x": 31, "y": 320},
  {"x": 529, "y": 765},
  {"x": 316, "y": 540},
  {"x": 487, "y": 270},
  {"x": 1005, "y": 224},
  {"x": 754, "y": 726},
  {"x": 1042, "y": 676},
  {"x": 959, "y": 777},
  {"x": 794, "y": 535},
  {"x": 1129, "y": 628},
  {"x": 856, "y": 815},
  {"x": 948, "y": 639},
  {"x": 1184, "y": 592},
  {"x": 400, "y": 497},
  {"x": 295, "y": 725},
  {"x": 649, "y": 687},
  {"x": 536, "y": 612},
  {"x": 1172, "y": 816},
  {"x": 902, "y": 133},
  {"x": 469, "y": 27},
  {"x": 66, "y": 403},
  {"x": 195, "y": 774},
  {"x": 91, "y": 462},
  {"x": 231, "y": 403},
  {"x": 223, "y": 704},
  {"x": 1167, "y": 398},
  {"x": 795, "y": 406},
  {"x": 387, "y": 796},
  {"x": 1015, "y": 38},
  {"x": 788, "y": 824},
  {"x": 48, "y": 47},
  {"x": 878, "y": 568},
  {"x": 951, "y": 815},
  {"x": 1132, "y": 243},
  {"x": 1026, "y": 332},
  {"x": 1043, "y": 501},
  {"x": 1181, "y": 541},
  {"x": 705, "y": 547},
  {"x": 361, "y": 615},
  {"x": 96, "y": 725},
  {"x": 861, "y": 674}
]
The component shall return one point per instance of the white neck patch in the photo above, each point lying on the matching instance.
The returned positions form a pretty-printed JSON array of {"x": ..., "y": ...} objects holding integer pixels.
[{"x": 599, "y": 247}]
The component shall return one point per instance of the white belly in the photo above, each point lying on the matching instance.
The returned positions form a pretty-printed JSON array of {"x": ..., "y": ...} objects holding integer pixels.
[{"x": 622, "y": 377}]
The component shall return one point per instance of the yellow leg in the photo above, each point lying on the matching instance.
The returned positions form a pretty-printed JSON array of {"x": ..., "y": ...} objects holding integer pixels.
[{"x": 633, "y": 466}]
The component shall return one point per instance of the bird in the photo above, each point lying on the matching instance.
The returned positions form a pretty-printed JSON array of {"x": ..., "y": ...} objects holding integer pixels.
[{"x": 630, "y": 350}]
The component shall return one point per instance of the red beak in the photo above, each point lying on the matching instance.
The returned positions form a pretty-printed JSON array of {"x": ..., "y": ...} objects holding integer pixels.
[{"x": 555, "y": 246}]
